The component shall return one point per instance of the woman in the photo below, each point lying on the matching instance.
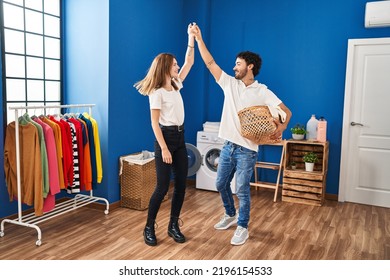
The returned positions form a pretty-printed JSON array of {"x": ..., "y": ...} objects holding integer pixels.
[{"x": 162, "y": 84}]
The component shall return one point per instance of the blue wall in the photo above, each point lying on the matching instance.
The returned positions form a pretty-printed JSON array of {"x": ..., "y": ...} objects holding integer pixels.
[
  {"x": 109, "y": 45},
  {"x": 86, "y": 77}
]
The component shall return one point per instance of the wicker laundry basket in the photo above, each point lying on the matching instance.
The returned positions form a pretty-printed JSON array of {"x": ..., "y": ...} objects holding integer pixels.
[
  {"x": 257, "y": 124},
  {"x": 137, "y": 183}
]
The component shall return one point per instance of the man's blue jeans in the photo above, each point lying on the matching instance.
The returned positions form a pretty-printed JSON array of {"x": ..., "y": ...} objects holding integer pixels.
[{"x": 239, "y": 160}]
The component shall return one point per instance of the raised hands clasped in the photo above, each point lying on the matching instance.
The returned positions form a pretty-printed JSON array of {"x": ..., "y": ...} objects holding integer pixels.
[
  {"x": 190, "y": 28},
  {"x": 194, "y": 30}
]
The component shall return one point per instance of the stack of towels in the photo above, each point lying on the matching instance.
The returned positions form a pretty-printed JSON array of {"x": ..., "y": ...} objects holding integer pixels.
[{"x": 211, "y": 126}]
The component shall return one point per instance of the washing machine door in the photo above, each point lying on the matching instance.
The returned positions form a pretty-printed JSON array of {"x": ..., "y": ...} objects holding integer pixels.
[
  {"x": 194, "y": 159},
  {"x": 212, "y": 158}
]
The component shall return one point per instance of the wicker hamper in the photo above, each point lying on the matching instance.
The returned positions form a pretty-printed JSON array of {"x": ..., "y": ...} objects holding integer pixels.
[
  {"x": 257, "y": 124},
  {"x": 137, "y": 184}
]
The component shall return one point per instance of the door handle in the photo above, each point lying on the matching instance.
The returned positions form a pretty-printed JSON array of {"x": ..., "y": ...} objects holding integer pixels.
[{"x": 354, "y": 123}]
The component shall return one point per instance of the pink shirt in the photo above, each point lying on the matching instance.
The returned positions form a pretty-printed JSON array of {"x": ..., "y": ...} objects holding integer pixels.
[{"x": 54, "y": 181}]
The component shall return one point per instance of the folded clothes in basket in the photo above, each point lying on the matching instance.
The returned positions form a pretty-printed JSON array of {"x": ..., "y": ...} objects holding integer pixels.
[{"x": 141, "y": 158}]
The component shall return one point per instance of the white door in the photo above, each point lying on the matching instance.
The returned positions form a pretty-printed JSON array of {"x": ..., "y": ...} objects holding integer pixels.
[{"x": 365, "y": 154}]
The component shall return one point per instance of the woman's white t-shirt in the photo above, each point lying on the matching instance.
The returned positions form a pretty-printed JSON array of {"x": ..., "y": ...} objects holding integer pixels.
[
  {"x": 170, "y": 104},
  {"x": 237, "y": 97}
]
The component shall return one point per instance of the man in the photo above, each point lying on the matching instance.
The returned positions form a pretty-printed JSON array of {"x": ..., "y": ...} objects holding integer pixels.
[{"x": 238, "y": 154}]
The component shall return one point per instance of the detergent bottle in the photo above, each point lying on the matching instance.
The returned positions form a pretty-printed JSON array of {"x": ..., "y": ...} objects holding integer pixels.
[
  {"x": 321, "y": 132},
  {"x": 311, "y": 128}
]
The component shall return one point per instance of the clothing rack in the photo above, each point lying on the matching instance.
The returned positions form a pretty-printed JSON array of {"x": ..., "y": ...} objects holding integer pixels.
[{"x": 79, "y": 200}]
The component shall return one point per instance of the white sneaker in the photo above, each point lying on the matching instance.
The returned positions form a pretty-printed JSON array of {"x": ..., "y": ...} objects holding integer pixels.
[
  {"x": 225, "y": 222},
  {"x": 240, "y": 236}
]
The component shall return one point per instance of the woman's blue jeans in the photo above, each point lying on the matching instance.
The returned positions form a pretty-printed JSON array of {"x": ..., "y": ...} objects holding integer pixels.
[{"x": 236, "y": 159}]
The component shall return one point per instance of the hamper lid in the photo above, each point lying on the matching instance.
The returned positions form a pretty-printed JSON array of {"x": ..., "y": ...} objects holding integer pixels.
[{"x": 141, "y": 158}]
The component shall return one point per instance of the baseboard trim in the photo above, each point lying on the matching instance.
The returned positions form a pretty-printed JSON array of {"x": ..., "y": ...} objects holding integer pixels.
[{"x": 331, "y": 196}]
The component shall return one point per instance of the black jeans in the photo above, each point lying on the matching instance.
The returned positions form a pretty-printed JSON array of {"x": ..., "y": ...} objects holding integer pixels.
[{"x": 178, "y": 169}]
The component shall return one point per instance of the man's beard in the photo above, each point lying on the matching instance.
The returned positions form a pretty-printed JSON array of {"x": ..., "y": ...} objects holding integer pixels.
[{"x": 240, "y": 74}]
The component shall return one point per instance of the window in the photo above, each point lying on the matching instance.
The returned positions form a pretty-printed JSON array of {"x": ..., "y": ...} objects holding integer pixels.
[{"x": 31, "y": 50}]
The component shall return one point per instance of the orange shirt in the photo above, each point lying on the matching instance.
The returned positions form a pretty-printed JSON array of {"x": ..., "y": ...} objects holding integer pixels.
[
  {"x": 87, "y": 182},
  {"x": 31, "y": 180}
]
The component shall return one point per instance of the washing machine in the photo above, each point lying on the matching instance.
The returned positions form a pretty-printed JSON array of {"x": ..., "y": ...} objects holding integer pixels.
[{"x": 209, "y": 146}]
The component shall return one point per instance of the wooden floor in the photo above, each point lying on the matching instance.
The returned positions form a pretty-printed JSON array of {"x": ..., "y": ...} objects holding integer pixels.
[{"x": 278, "y": 231}]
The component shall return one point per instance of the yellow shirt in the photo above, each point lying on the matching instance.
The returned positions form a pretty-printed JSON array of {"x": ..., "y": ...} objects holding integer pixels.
[{"x": 99, "y": 168}]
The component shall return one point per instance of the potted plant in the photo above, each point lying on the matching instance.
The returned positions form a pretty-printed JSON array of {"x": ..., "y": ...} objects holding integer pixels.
[
  {"x": 310, "y": 158},
  {"x": 298, "y": 131},
  {"x": 293, "y": 165}
]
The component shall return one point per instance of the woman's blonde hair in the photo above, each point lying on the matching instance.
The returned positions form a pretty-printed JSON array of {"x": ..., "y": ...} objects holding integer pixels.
[{"x": 155, "y": 78}]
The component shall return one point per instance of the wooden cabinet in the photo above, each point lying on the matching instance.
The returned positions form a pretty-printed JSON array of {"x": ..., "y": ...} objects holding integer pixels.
[{"x": 300, "y": 186}]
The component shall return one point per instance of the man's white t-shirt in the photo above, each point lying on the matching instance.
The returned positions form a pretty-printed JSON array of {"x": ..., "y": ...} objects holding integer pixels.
[
  {"x": 237, "y": 97},
  {"x": 170, "y": 104}
]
